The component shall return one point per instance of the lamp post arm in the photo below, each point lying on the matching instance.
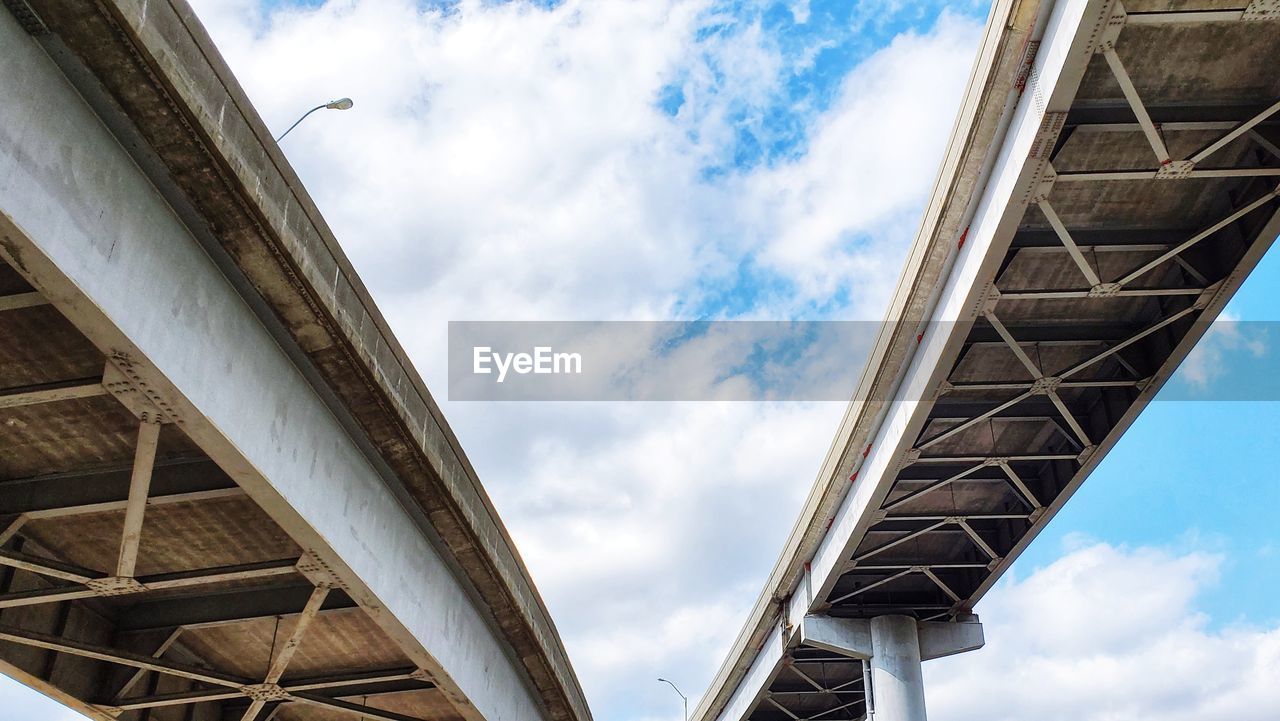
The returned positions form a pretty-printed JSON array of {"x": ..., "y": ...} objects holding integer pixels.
[
  {"x": 682, "y": 697},
  {"x": 299, "y": 120}
]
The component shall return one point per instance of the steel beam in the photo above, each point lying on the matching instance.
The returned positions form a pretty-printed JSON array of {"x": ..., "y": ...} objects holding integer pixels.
[
  {"x": 59, "y": 644},
  {"x": 157, "y": 582},
  {"x": 51, "y": 392},
  {"x": 1183, "y": 17},
  {"x": 48, "y": 567},
  {"x": 18, "y": 301},
  {"x": 1183, "y": 116},
  {"x": 221, "y": 607},
  {"x": 364, "y": 712},
  {"x": 1076, "y": 176},
  {"x": 1123, "y": 240},
  {"x": 136, "y": 505},
  {"x": 1234, "y": 133},
  {"x": 1135, "y": 102},
  {"x": 139, "y": 674},
  {"x": 358, "y": 684},
  {"x": 351, "y": 683},
  {"x": 1205, "y": 233},
  {"x": 97, "y": 491}
]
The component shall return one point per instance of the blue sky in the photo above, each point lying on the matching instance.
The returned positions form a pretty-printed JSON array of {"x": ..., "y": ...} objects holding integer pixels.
[
  {"x": 1197, "y": 474},
  {"x": 683, "y": 159}
]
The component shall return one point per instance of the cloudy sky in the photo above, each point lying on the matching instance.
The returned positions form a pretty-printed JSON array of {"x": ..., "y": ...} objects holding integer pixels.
[{"x": 681, "y": 159}]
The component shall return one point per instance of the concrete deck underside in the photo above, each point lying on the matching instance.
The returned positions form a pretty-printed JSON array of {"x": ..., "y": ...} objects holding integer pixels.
[
  {"x": 308, "y": 541},
  {"x": 1073, "y": 313}
]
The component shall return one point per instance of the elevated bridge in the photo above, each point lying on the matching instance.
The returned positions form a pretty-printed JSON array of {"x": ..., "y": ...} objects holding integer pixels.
[
  {"x": 1111, "y": 180},
  {"x": 224, "y": 492}
]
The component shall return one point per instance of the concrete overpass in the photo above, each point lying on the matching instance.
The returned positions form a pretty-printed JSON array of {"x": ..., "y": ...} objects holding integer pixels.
[
  {"x": 1111, "y": 180},
  {"x": 224, "y": 491}
]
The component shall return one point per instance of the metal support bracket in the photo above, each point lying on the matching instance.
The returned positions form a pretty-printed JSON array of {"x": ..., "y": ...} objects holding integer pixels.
[
  {"x": 1261, "y": 10},
  {"x": 318, "y": 572},
  {"x": 265, "y": 692},
  {"x": 121, "y": 381},
  {"x": 115, "y": 586},
  {"x": 1110, "y": 33},
  {"x": 1176, "y": 170}
]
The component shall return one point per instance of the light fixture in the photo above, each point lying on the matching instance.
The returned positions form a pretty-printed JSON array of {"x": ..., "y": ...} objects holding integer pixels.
[
  {"x": 682, "y": 697},
  {"x": 339, "y": 104}
]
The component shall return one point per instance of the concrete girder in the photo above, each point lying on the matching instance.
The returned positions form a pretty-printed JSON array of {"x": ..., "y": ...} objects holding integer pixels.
[
  {"x": 158, "y": 83},
  {"x": 1153, "y": 323},
  {"x": 147, "y": 293}
]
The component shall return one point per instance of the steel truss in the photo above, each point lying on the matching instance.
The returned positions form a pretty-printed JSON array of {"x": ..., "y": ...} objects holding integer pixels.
[
  {"x": 914, "y": 559},
  {"x": 68, "y": 582},
  {"x": 1050, "y": 384}
]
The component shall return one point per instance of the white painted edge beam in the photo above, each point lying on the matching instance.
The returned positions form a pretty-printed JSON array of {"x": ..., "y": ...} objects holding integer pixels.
[
  {"x": 1059, "y": 65},
  {"x": 146, "y": 292}
]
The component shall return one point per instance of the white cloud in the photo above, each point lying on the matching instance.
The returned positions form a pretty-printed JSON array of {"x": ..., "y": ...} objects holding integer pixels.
[
  {"x": 1109, "y": 633},
  {"x": 510, "y": 161},
  {"x": 848, "y": 207},
  {"x": 505, "y": 161},
  {"x": 800, "y": 11},
  {"x": 648, "y": 527},
  {"x": 1226, "y": 335}
]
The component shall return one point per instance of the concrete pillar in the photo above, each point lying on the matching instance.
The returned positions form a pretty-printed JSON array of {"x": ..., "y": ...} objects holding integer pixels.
[{"x": 897, "y": 686}]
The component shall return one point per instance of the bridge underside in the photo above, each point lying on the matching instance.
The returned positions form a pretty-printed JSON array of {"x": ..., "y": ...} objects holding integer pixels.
[
  {"x": 1158, "y": 197},
  {"x": 224, "y": 491},
  {"x": 137, "y": 581}
]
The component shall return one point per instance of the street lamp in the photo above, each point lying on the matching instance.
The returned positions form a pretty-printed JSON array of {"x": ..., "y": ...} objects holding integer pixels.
[
  {"x": 682, "y": 696},
  {"x": 339, "y": 104}
]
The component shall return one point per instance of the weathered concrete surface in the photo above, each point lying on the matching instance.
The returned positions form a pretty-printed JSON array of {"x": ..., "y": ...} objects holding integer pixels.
[
  {"x": 897, "y": 683},
  {"x": 162, "y": 74},
  {"x": 852, "y": 637}
]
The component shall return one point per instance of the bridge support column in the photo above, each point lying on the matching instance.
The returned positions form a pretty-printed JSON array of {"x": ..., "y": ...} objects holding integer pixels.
[
  {"x": 893, "y": 648},
  {"x": 897, "y": 686}
]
